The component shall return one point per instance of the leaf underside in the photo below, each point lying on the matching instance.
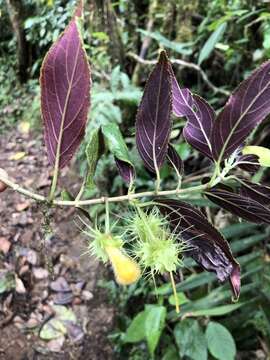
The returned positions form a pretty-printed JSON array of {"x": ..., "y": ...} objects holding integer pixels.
[
  {"x": 239, "y": 205},
  {"x": 200, "y": 117},
  {"x": 153, "y": 123},
  {"x": 175, "y": 160},
  {"x": 246, "y": 108},
  {"x": 206, "y": 245},
  {"x": 65, "y": 94}
]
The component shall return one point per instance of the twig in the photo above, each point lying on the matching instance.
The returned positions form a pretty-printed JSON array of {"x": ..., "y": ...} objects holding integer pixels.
[
  {"x": 183, "y": 63},
  {"x": 102, "y": 200}
]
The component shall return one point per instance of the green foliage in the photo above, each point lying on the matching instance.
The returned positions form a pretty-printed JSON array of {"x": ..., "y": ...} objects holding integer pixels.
[
  {"x": 209, "y": 46},
  {"x": 227, "y": 39},
  {"x": 190, "y": 340},
  {"x": 116, "y": 142},
  {"x": 220, "y": 342},
  {"x": 147, "y": 325},
  {"x": 92, "y": 150}
]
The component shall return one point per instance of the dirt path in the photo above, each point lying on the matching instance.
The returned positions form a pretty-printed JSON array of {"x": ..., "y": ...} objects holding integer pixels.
[{"x": 28, "y": 295}]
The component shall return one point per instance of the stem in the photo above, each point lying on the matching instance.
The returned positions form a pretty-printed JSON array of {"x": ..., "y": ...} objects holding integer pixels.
[
  {"x": 177, "y": 308},
  {"x": 102, "y": 200},
  {"x": 80, "y": 192},
  {"x": 107, "y": 217}
]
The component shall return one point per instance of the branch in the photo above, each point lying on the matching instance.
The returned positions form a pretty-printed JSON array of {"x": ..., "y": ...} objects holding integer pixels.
[
  {"x": 183, "y": 63},
  {"x": 101, "y": 200}
]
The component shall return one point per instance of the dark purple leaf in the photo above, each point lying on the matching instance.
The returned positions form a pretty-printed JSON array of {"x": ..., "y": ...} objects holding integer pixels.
[
  {"x": 248, "y": 163},
  {"x": 65, "y": 93},
  {"x": 244, "y": 207},
  {"x": 246, "y": 108},
  {"x": 126, "y": 170},
  {"x": 257, "y": 192},
  {"x": 200, "y": 116},
  {"x": 153, "y": 124},
  {"x": 175, "y": 160},
  {"x": 207, "y": 246}
]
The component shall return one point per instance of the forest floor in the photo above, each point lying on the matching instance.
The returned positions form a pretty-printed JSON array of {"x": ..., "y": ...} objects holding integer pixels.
[{"x": 64, "y": 316}]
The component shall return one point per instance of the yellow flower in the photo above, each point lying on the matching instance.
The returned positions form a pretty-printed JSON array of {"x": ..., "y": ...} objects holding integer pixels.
[{"x": 126, "y": 270}]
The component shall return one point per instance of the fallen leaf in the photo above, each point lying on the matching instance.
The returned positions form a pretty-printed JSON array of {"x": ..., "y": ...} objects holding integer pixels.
[
  {"x": 18, "y": 156},
  {"x": 63, "y": 298},
  {"x": 64, "y": 313},
  {"x": 4, "y": 245},
  {"x": 24, "y": 127},
  {"x": 52, "y": 329},
  {"x": 20, "y": 288},
  {"x": 87, "y": 295},
  {"x": 60, "y": 285},
  {"x": 56, "y": 345},
  {"x": 22, "y": 206},
  {"x": 40, "y": 273}
]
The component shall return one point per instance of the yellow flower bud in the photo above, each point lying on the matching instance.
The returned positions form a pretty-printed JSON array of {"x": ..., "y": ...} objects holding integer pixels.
[
  {"x": 262, "y": 153},
  {"x": 126, "y": 270}
]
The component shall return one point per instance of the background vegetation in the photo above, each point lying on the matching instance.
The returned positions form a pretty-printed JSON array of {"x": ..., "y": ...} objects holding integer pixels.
[{"x": 219, "y": 43}]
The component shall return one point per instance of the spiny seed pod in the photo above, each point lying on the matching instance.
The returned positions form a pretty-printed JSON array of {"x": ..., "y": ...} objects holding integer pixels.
[
  {"x": 156, "y": 247},
  {"x": 107, "y": 247},
  {"x": 3, "y": 174}
]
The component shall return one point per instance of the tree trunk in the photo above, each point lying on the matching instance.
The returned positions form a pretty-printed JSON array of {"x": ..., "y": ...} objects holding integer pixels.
[{"x": 16, "y": 15}]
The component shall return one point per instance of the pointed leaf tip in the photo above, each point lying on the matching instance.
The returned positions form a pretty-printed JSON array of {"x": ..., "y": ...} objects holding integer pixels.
[
  {"x": 247, "y": 107},
  {"x": 65, "y": 95},
  {"x": 153, "y": 122},
  {"x": 207, "y": 246},
  {"x": 235, "y": 282},
  {"x": 200, "y": 117}
]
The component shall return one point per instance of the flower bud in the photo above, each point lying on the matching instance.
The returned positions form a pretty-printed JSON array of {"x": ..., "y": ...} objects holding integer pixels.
[{"x": 126, "y": 270}]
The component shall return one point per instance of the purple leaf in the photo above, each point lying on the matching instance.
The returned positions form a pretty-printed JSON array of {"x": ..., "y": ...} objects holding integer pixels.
[
  {"x": 175, "y": 160},
  {"x": 153, "y": 124},
  {"x": 200, "y": 116},
  {"x": 248, "y": 163},
  {"x": 244, "y": 207},
  {"x": 206, "y": 245},
  {"x": 126, "y": 170},
  {"x": 257, "y": 192},
  {"x": 65, "y": 93},
  {"x": 246, "y": 108}
]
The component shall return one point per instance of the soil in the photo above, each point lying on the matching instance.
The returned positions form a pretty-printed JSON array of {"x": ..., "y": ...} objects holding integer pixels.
[{"x": 29, "y": 304}]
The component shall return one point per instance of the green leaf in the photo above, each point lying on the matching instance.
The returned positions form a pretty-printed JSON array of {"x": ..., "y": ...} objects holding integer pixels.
[
  {"x": 53, "y": 329},
  {"x": 135, "y": 332},
  {"x": 220, "y": 342},
  {"x": 91, "y": 151},
  {"x": 182, "y": 299},
  {"x": 154, "y": 325},
  {"x": 181, "y": 48},
  {"x": 64, "y": 314},
  {"x": 209, "y": 46},
  {"x": 116, "y": 142},
  {"x": 217, "y": 311},
  {"x": 190, "y": 340},
  {"x": 170, "y": 353}
]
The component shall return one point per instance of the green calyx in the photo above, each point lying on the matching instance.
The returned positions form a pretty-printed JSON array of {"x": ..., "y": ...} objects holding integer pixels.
[
  {"x": 155, "y": 246},
  {"x": 100, "y": 241}
]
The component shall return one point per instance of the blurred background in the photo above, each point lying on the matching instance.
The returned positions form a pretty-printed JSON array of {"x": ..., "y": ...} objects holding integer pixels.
[{"x": 82, "y": 313}]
